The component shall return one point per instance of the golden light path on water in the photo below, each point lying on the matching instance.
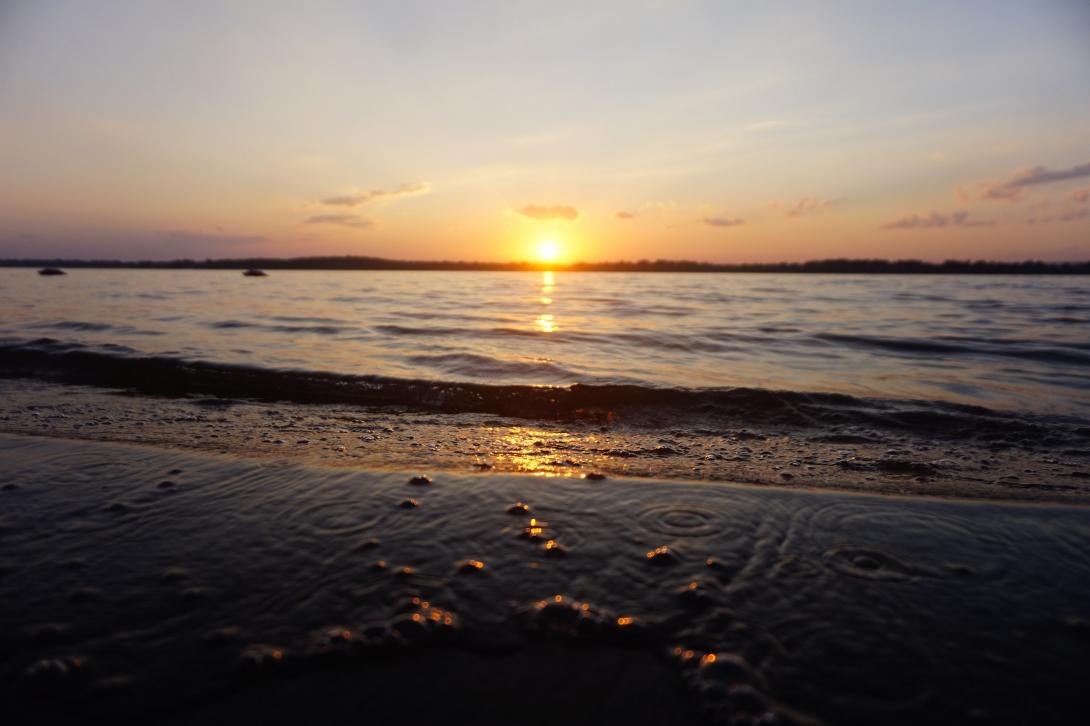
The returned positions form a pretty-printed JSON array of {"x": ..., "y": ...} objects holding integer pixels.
[{"x": 546, "y": 321}]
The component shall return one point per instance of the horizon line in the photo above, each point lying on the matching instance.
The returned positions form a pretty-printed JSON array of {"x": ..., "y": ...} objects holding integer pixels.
[{"x": 366, "y": 262}]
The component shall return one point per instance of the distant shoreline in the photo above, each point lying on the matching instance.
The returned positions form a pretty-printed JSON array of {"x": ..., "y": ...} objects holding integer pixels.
[{"x": 832, "y": 266}]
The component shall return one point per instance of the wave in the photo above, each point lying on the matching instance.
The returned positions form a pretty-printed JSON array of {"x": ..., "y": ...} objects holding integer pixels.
[
  {"x": 122, "y": 368},
  {"x": 317, "y": 329},
  {"x": 1068, "y": 354}
]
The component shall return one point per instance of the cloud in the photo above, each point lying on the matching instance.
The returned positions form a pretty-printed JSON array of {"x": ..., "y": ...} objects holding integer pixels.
[
  {"x": 1013, "y": 186},
  {"x": 354, "y": 200},
  {"x": 936, "y": 219},
  {"x": 723, "y": 221},
  {"x": 1070, "y": 215},
  {"x": 542, "y": 212},
  {"x": 806, "y": 205},
  {"x": 344, "y": 220},
  {"x": 1080, "y": 195},
  {"x": 625, "y": 215}
]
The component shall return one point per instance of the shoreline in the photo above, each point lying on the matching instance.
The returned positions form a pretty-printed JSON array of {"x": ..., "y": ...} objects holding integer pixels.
[{"x": 842, "y": 458}]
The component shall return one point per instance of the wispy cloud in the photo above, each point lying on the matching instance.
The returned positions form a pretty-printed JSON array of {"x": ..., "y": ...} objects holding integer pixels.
[
  {"x": 1080, "y": 195},
  {"x": 544, "y": 212},
  {"x": 1015, "y": 185},
  {"x": 937, "y": 219},
  {"x": 357, "y": 198},
  {"x": 806, "y": 205},
  {"x": 354, "y": 221},
  {"x": 1069, "y": 215},
  {"x": 723, "y": 221},
  {"x": 625, "y": 215}
]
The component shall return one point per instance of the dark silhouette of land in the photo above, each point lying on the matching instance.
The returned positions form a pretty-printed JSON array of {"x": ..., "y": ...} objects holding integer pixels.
[{"x": 873, "y": 266}]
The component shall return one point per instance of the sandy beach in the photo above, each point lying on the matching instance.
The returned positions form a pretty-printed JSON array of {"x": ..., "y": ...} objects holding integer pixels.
[{"x": 146, "y": 584}]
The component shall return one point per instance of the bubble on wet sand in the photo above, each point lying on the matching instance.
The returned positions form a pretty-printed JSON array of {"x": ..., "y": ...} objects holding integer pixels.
[
  {"x": 420, "y": 481},
  {"x": 535, "y": 529},
  {"x": 409, "y": 504},
  {"x": 594, "y": 476},
  {"x": 470, "y": 567},
  {"x": 695, "y": 595},
  {"x": 552, "y": 548},
  {"x": 368, "y": 544},
  {"x": 49, "y": 676},
  {"x": 724, "y": 684},
  {"x": 662, "y": 556},
  {"x": 423, "y": 620},
  {"x": 518, "y": 508},
  {"x": 336, "y": 643},
  {"x": 261, "y": 659},
  {"x": 562, "y": 617},
  {"x": 729, "y": 667}
]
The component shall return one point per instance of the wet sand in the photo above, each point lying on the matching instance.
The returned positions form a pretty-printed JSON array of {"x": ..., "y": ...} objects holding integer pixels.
[
  {"x": 854, "y": 455},
  {"x": 144, "y": 584}
]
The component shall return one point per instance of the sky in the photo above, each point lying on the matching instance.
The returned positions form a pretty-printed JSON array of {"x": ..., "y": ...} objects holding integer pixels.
[{"x": 744, "y": 131}]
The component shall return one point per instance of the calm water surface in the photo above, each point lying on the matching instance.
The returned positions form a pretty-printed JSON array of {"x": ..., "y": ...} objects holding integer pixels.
[{"x": 1006, "y": 342}]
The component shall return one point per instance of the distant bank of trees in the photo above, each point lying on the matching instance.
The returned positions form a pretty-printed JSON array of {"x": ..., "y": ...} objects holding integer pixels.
[{"x": 960, "y": 267}]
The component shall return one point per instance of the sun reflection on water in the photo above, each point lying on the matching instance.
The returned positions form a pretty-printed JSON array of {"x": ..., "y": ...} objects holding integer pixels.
[{"x": 546, "y": 322}]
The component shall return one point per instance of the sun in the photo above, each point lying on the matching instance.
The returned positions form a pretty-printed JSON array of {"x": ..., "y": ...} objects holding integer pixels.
[{"x": 548, "y": 250}]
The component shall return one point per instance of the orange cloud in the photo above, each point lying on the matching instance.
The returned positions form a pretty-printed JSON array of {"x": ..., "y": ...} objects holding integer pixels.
[
  {"x": 723, "y": 221},
  {"x": 344, "y": 220},
  {"x": 542, "y": 212}
]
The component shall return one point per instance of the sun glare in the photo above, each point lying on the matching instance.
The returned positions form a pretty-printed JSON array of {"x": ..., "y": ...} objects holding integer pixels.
[{"x": 548, "y": 250}]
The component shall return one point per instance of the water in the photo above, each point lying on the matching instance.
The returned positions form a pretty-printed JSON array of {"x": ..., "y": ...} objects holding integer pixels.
[{"x": 1010, "y": 343}]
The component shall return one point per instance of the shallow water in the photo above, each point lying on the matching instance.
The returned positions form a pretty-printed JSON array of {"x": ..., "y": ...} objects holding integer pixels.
[
  {"x": 141, "y": 583},
  {"x": 1013, "y": 343}
]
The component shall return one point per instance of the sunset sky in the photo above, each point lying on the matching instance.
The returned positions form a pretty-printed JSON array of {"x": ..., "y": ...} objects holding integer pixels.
[{"x": 723, "y": 131}]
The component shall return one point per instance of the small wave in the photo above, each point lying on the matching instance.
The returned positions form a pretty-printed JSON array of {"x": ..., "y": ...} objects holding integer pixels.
[
  {"x": 75, "y": 325},
  {"x": 957, "y": 346},
  {"x": 317, "y": 329},
  {"x": 480, "y": 366},
  {"x": 86, "y": 327}
]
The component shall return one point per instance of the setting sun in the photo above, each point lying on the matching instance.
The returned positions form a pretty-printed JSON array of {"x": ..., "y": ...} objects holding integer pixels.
[{"x": 548, "y": 250}]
